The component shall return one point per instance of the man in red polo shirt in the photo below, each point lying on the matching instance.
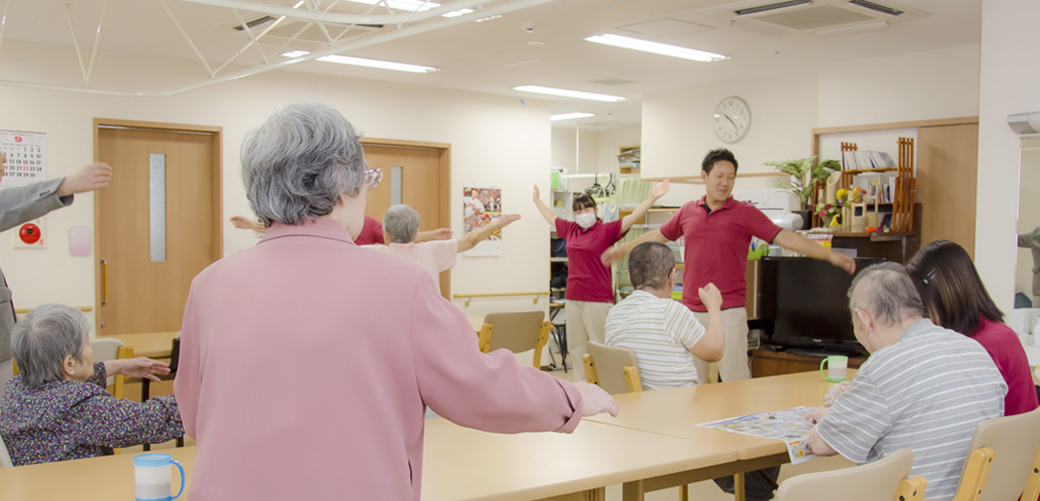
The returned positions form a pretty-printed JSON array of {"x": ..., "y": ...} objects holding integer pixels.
[{"x": 718, "y": 231}]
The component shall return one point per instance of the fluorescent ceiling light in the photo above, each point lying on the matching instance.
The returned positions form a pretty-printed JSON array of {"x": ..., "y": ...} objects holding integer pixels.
[
  {"x": 569, "y": 93},
  {"x": 481, "y": 20},
  {"x": 457, "y": 13},
  {"x": 408, "y": 5},
  {"x": 369, "y": 63},
  {"x": 657, "y": 48},
  {"x": 859, "y": 28},
  {"x": 570, "y": 116}
]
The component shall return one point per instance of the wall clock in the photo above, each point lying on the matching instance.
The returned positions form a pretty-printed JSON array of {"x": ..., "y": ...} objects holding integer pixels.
[{"x": 732, "y": 119}]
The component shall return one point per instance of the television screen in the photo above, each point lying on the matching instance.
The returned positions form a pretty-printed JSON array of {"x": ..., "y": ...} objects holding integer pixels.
[{"x": 804, "y": 304}]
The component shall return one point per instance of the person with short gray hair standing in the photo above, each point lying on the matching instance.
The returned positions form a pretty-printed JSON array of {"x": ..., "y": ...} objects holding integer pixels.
[
  {"x": 22, "y": 204},
  {"x": 401, "y": 227}
]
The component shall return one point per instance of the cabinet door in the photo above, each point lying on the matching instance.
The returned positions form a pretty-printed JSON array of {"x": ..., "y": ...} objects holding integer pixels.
[{"x": 947, "y": 166}]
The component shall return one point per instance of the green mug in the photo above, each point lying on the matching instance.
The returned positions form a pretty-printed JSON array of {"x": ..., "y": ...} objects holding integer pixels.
[{"x": 837, "y": 368}]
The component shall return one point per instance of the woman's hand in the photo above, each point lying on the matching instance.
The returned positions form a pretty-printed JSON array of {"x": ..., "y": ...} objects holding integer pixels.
[
  {"x": 140, "y": 367},
  {"x": 537, "y": 194},
  {"x": 594, "y": 400},
  {"x": 659, "y": 189}
]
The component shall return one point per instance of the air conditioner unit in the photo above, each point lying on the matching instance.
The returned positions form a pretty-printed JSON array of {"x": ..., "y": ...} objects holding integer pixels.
[{"x": 820, "y": 17}]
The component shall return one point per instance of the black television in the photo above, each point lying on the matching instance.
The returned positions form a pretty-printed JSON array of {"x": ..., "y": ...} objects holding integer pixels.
[{"x": 804, "y": 305}]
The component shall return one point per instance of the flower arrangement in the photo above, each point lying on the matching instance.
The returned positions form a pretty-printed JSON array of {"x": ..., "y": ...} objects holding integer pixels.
[{"x": 829, "y": 212}]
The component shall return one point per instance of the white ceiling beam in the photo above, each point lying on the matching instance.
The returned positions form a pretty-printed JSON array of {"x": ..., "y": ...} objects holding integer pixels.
[
  {"x": 332, "y": 17},
  {"x": 188, "y": 38},
  {"x": 245, "y": 28},
  {"x": 404, "y": 32}
]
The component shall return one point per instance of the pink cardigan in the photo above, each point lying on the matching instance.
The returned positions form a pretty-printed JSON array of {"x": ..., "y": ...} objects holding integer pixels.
[{"x": 307, "y": 363}]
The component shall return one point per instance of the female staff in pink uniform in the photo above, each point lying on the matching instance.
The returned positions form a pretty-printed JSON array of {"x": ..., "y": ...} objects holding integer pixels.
[
  {"x": 307, "y": 362},
  {"x": 590, "y": 293}
]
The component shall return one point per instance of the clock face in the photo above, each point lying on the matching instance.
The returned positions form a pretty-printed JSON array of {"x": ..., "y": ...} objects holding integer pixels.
[{"x": 732, "y": 119}]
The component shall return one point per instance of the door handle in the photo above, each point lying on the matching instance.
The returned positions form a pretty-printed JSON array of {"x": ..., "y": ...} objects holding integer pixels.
[{"x": 104, "y": 281}]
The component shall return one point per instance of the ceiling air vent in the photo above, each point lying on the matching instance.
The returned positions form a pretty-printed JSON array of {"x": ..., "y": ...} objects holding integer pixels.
[
  {"x": 772, "y": 6},
  {"x": 876, "y": 7},
  {"x": 254, "y": 23}
]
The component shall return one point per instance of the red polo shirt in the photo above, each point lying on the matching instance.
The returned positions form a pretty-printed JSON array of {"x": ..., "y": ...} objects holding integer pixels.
[
  {"x": 371, "y": 232},
  {"x": 717, "y": 247},
  {"x": 587, "y": 278}
]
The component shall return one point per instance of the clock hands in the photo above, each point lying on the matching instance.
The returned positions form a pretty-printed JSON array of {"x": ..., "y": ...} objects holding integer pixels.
[{"x": 731, "y": 121}]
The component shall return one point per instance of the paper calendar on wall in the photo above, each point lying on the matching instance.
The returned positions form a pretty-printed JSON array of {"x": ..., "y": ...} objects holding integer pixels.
[{"x": 25, "y": 153}]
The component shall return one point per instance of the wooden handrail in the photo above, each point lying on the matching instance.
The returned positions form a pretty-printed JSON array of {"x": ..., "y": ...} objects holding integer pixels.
[
  {"x": 469, "y": 297},
  {"x": 22, "y": 311}
]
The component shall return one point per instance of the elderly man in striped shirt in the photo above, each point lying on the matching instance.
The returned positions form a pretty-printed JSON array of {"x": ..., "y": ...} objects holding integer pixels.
[{"x": 924, "y": 388}]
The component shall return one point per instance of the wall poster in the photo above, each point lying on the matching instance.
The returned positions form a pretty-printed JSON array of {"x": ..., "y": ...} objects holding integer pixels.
[{"x": 482, "y": 205}]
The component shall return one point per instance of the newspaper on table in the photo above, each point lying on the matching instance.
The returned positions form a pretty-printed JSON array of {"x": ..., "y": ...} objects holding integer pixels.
[{"x": 788, "y": 426}]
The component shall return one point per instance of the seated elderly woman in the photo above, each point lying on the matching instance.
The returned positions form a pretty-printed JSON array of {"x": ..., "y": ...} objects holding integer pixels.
[
  {"x": 57, "y": 407},
  {"x": 307, "y": 363},
  {"x": 400, "y": 227}
]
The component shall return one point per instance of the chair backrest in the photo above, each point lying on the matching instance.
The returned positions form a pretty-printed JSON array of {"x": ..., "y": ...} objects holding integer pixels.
[
  {"x": 877, "y": 481},
  {"x": 106, "y": 349},
  {"x": 1015, "y": 441},
  {"x": 515, "y": 331},
  {"x": 610, "y": 362},
  {"x": 5, "y": 458}
]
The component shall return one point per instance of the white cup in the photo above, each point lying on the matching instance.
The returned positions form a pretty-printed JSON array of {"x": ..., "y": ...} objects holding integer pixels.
[
  {"x": 152, "y": 477},
  {"x": 837, "y": 368}
]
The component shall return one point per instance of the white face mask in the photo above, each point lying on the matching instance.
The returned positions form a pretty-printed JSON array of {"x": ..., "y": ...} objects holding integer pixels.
[{"x": 585, "y": 220}]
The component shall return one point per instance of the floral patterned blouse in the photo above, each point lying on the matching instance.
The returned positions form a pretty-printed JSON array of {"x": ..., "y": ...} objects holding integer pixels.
[{"x": 73, "y": 420}]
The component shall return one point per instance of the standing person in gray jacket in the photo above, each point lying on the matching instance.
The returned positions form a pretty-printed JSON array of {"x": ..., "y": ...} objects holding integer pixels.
[{"x": 25, "y": 203}]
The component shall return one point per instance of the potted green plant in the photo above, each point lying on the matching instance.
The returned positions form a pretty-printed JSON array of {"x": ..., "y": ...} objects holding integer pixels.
[{"x": 803, "y": 177}]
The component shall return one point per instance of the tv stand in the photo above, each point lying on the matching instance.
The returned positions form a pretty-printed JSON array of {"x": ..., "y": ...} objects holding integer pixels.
[{"x": 767, "y": 361}]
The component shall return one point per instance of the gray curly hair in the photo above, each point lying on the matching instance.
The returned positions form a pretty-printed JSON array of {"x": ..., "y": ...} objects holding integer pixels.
[{"x": 298, "y": 162}]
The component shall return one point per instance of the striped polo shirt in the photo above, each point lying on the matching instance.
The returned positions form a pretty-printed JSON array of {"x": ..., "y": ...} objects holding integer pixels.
[
  {"x": 927, "y": 393},
  {"x": 661, "y": 333}
]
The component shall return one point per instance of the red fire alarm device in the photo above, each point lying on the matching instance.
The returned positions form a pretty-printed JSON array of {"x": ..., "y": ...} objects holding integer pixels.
[{"x": 29, "y": 233}]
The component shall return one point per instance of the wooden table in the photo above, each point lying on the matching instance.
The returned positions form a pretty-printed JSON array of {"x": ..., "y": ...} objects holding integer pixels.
[
  {"x": 460, "y": 464},
  {"x": 151, "y": 345},
  {"x": 678, "y": 411}
]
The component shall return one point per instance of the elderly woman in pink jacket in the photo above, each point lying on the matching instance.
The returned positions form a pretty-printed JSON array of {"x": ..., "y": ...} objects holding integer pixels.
[{"x": 307, "y": 362}]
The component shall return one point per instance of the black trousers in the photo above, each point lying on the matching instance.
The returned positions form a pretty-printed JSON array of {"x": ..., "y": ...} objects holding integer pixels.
[{"x": 759, "y": 485}]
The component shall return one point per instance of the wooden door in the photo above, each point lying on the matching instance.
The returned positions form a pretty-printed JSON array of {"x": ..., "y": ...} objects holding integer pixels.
[
  {"x": 423, "y": 184},
  {"x": 156, "y": 224},
  {"x": 947, "y": 167}
]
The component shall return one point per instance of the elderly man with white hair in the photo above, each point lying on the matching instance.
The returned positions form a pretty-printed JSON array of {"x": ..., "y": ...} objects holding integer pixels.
[
  {"x": 924, "y": 388},
  {"x": 401, "y": 225}
]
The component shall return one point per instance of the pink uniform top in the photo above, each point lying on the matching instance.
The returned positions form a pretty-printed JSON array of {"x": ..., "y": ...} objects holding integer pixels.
[
  {"x": 371, "y": 232},
  {"x": 307, "y": 363},
  {"x": 1006, "y": 350},
  {"x": 587, "y": 278},
  {"x": 717, "y": 247},
  {"x": 434, "y": 256}
]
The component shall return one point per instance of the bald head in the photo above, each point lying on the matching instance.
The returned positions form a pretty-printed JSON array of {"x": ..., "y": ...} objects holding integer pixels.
[{"x": 886, "y": 292}]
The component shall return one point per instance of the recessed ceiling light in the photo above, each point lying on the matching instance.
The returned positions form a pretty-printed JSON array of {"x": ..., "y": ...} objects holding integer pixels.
[
  {"x": 570, "y": 116},
  {"x": 408, "y": 5},
  {"x": 368, "y": 63},
  {"x": 536, "y": 43},
  {"x": 657, "y": 48},
  {"x": 481, "y": 20},
  {"x": 457, "y": 13},
  {"x": 569, "y": 93}
]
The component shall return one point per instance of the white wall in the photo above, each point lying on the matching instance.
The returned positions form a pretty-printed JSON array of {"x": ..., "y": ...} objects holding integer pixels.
[
  {"x": 918, "y": 86},
  {"x": 677, "y": 129},
  {"x": 495, "y": 141},
  {"x": 1010, "y": 70}
]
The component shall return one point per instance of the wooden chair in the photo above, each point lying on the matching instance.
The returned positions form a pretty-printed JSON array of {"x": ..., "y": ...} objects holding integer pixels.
[
  {"x": 883, "y": 480},
  {"x": 1004, "y": 462},
  {"x": 516, "y": 332},
  {"x": 613, "y": 369},
  {"x": 5, "y": 458}
]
